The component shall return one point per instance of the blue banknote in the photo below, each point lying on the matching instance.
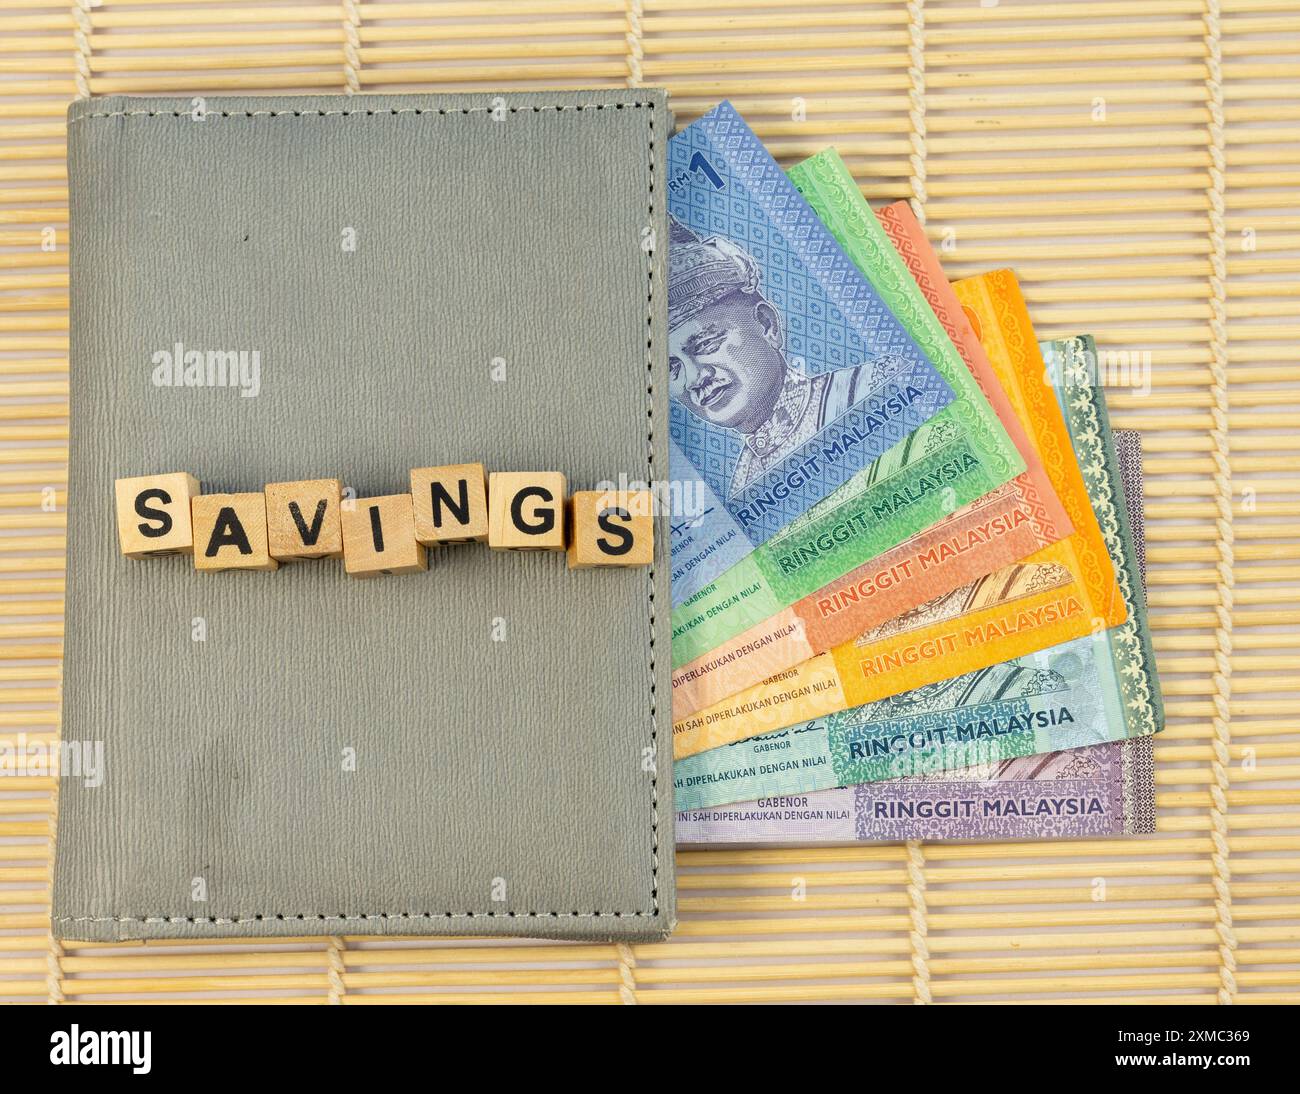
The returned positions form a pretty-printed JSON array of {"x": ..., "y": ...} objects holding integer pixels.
[{"x": 787, "y": 372}]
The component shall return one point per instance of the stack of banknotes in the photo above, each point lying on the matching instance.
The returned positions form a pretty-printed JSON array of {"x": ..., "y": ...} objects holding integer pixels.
[{"x": 906, "y": 544}]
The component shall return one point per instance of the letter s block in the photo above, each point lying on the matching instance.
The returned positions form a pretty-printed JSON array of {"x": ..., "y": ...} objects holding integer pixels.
[
  {"x": 153, "y": 514},
  {"x": 230, "y": 532},
  {"x": 379, "y": 538},
  {"x": 303, "y": 519},
  {"x": 611, "y": 528},
  {"x": 526, "y": 511},
  {"x": 450, "y": 503}
]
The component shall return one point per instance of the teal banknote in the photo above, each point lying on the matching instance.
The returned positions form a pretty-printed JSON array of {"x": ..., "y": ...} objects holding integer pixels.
[{"x": 1084, "y": 692}]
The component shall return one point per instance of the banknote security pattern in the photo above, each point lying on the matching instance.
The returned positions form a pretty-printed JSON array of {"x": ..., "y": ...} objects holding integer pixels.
[
  {"x": 168, "y": 514},
  {"x": 880, "y": 414}
]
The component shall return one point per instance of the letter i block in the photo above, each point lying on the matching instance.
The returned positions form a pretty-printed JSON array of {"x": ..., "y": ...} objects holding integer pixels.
[
  {"x": 526, "y": 511},
  {"x": 230, "y": 532},
  {"x": 303, "y": 519},
  {"x": 611, "y": 528},
  {"x": 379, "y": 538},
  {"x": 450, "y": 503},
  {"x": 153, "y": 514}
]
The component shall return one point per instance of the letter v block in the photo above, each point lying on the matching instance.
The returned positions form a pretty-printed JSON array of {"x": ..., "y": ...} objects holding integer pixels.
[
  {"x": 450, "y": 503},
  {"x": 303, "y": 519},
  {"x": 526, "y": 511},
  {"x": 230, "y": 532},
  {"x": 153, "y": 514}
]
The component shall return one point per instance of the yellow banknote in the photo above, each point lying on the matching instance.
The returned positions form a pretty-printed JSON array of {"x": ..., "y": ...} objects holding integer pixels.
[{"x": 1060, "y": 592}]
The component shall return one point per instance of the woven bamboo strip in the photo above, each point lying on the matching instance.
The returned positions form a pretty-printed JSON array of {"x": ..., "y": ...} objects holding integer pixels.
[{"x": 1131, "y": 228}]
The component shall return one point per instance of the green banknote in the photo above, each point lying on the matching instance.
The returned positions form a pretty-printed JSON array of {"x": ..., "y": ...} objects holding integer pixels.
[{"x": 959, "y": 455}]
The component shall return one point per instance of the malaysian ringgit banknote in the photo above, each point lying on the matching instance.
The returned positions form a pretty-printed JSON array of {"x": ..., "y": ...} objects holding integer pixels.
[
  {"x": 1062, "y": 591},
  {"x": 1087, "y": 691},
  {"x": 1004, "y": 525},
  {"x": 787, "y": 372},
  {"x": 1101, "y": 790},
  {"x": 788, "y": 376}
]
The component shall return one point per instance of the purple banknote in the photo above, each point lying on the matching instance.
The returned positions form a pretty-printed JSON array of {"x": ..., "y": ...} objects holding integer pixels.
[{"x": 1103, "y": 790}]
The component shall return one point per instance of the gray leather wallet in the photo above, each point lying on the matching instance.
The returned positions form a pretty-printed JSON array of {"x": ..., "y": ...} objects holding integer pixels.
[{"x": 481, "y": 749}]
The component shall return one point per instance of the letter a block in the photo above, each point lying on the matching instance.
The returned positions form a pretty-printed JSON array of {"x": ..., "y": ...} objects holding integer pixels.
[
  {"x": 526, "y": 511},
  {"x": 450, "y": 503},
  {"x": 611, "y": 528},
  {"x": 379, "y": 538},
  {"x": 303, "y": 519},
  {"x": 153, "y": 514},
  {"x": 230, "y": 532}
]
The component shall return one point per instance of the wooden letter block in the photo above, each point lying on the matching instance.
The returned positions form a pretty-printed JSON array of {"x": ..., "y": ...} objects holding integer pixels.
[
  {"x": 153, "y": 514},
  {"x": 526, "y": 511},
  {"x": 379, "y": 538},
  {"x": 611, "y": 528},
  {"x": 450, "y": 503},
  {"x": 230, "y": 532},
  {"x": 303, "y": 519}
]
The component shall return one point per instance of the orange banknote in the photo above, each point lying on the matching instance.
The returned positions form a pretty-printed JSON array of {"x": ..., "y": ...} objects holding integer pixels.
[
  {"x": 1062, "y": 591},
  {"x": 1001, "y": 527}
]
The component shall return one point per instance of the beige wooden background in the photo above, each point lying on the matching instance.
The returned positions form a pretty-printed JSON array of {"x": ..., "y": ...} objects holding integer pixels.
[{"x": 1137, "y": 163}]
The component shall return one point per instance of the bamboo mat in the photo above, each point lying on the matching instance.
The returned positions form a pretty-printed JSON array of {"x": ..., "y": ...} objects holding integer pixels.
[{"x": 1138, "y": 165}]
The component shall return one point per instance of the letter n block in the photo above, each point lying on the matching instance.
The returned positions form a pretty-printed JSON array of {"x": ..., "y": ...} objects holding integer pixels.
[
  {"x": 611, "y": 528},
  {"x": 153, "y": 514},
  {"x": 379, "y": 538},
  {"x": 230, "y": 532},
  {"x": 450, "y": 503},
  {"x": 303, "y": 519},
  {"x": 526, "y": 511}
]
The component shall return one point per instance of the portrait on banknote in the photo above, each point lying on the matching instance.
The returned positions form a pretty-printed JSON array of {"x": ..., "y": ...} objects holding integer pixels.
[{"x": 727, "y": 359}]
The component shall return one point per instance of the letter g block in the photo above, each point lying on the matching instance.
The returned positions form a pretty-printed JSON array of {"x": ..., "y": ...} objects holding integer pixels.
[{"x": 526, "y": 511}]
